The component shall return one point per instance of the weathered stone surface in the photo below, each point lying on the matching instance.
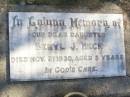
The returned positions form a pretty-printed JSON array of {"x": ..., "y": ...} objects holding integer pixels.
[
  {"x": 30, "y": 60},
  {"x": 119, "y": 86},
  {"x": 3, "y": 30}
]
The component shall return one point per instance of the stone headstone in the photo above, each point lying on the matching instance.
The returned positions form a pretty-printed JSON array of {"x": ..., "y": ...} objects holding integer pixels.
[{"x": 46, "y": 46}]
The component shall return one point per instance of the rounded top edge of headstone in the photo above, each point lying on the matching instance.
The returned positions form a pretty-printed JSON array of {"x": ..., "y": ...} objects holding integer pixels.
[{"x": 75, "y": 94}]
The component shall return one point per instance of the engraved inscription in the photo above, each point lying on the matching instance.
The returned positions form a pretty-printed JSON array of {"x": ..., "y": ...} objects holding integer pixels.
[{"x": 45, "y": 46}]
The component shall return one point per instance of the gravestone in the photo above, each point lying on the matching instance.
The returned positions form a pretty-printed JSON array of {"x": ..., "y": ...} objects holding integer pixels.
[
  {"x": 50, "y": 45},
  {"x": 86, "y": 86}
]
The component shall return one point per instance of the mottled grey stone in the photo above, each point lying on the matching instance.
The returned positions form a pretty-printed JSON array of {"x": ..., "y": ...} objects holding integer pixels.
[{"x": 119, "y": 86}]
